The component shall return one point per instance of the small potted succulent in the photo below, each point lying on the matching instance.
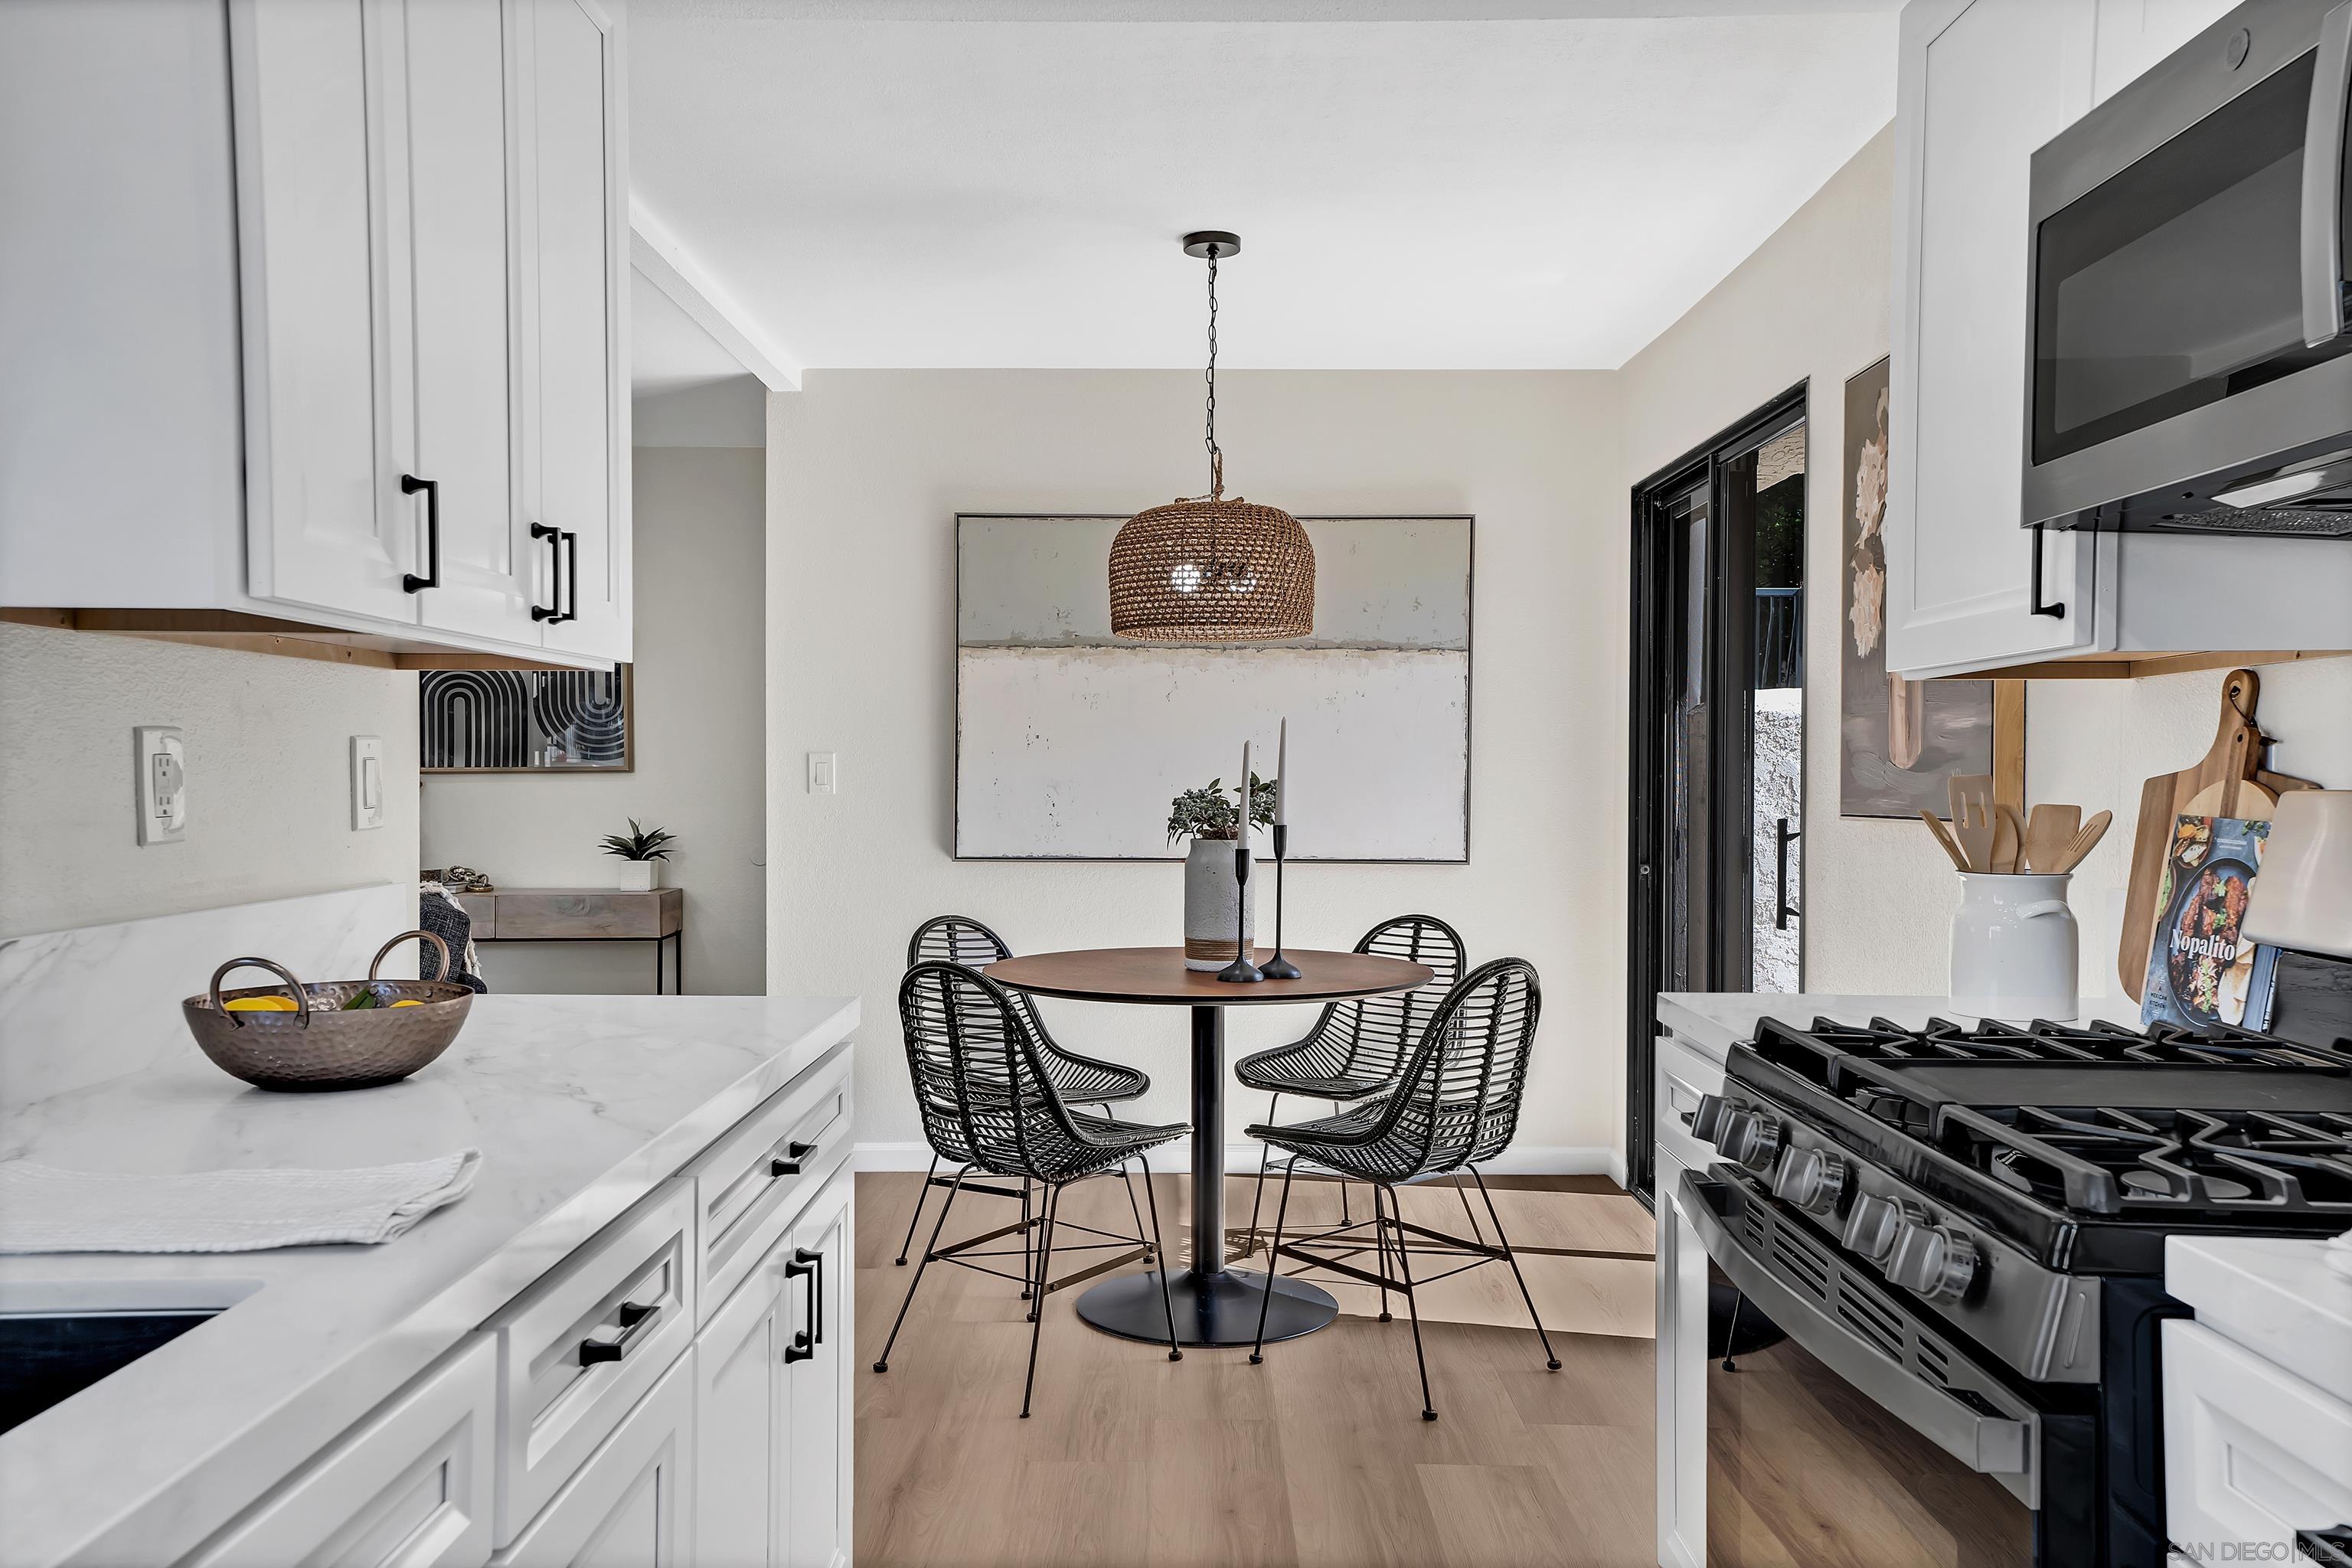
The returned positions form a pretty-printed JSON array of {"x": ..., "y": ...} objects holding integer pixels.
[
  {"x": 1210, "y": 817},
  {"x": 642, "y": 851}
]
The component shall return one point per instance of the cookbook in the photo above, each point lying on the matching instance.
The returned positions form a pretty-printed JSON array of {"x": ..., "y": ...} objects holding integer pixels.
[{"x": 2200, "y": 970}]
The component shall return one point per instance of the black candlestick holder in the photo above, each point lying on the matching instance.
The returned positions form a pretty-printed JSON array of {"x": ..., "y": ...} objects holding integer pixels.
[
  {"x": 1241, "y": 971},
  {"x": 1278, "y": 967}
]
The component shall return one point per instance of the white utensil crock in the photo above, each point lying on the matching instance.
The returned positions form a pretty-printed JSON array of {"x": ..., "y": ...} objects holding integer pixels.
[
  {"x": 2014, "y": 948},
  {"x": 1211, "y": 895}
]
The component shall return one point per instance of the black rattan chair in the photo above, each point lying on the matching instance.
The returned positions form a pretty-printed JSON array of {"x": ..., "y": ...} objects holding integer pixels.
[
  {"x": 1455, "y": 1105},
  {"x": 989, "y": 1106},
  {"x": 1079, "y": 1080},
  {"x": 1357, "y": 1048}
]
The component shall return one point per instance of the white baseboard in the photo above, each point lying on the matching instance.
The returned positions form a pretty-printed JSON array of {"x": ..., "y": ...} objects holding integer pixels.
[{"x": 1524, "y": 1160}]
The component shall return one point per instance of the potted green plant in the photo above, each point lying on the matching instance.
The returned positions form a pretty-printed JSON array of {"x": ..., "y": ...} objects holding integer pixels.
[
  {"x": 1210, "y": 817},
  {"x": 642, "y": 851}
]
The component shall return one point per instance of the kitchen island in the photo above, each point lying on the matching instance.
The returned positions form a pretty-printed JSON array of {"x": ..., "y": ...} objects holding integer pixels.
[{"x": 643, "y": 1159}]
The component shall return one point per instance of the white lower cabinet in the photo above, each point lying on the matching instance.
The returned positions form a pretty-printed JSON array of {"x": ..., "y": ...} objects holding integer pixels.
[
  {"x": 626, "y": 1508},
  {"x": 817, "y": 1455},
  {"x": 408, "y": 1488}
]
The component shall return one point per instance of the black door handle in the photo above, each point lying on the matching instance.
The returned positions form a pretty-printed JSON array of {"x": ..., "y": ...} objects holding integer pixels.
[
  {"x": 636, "y": 1321},
  {"x": 2055, "y": 611},
  {"x": 810, "y": 1266},
  {"x": 569, "y": 545},
  {"x": 409, "y": 485},
  {"x": 554, "y": 536},
  {"x": 789, "y": 1163},
  {"x": 1782, "y": 914}
]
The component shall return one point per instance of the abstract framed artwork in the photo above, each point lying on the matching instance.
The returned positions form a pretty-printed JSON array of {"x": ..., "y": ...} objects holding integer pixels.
[
  {"x": 1899, "y": 740},
  {"x": 527, "y": 720},
  {"x": 1070, "y": 744}
]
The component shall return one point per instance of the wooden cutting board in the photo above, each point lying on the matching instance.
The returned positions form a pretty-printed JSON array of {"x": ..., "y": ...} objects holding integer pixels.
[{"x": 2220, "y": 778}]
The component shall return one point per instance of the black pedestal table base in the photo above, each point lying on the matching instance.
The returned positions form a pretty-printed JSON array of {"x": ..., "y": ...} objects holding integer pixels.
[{"x": 1218, "y": 1309}]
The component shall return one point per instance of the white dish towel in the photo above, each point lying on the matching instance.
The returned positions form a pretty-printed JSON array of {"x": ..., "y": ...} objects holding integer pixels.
[{"x": 45, "y": 1209}]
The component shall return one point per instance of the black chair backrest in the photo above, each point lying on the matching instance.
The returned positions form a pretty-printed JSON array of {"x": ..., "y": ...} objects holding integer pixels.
[
  {"x": 1459, "y": 1098},
  {"x": 979, "y": 1079},
  {"x": 1374, "y": 1034},
  {"x": 955, "y": 938}
]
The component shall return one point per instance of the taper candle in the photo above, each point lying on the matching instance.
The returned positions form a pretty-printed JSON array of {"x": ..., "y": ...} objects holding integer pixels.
[
  {"x": 1246, "y": 792},
  {"x": 1282, "y": 776}
]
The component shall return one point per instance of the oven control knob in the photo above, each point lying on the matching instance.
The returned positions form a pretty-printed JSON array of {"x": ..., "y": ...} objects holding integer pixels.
[
  {"x": 1870, "y": 1227},
  {"x": 1936, "y": 1262},
  {"x": 1705, "y": 1119},
  {"x": 1750, "y": 1138},
  {"x": 1812, "y": 1179}
]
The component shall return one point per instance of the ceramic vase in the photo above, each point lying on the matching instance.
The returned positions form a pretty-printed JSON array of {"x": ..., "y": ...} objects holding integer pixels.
[
  {"x": 1213, "y": 901},
  {"x": 2014, "y": 948},
  {"x": 639, "y": 875}
]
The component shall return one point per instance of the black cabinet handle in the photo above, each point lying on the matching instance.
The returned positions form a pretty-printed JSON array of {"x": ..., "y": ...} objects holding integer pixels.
[
  {"x": 570, "y": 547},
  {"x": 1782, "y": 912},
  {"x": 810, "y": 1266},
  {"x": 636, "y": 1321},
  {"x": 2056, "y": 611},
  {"x": 409, "y": 485},
  {"x": 554, "y": 536},
  {"x": 789, "y": 1163}
]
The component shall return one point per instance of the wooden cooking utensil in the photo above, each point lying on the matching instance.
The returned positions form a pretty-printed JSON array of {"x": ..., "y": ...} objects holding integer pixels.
[
  {"x": 2008, "y": 838},
  {"x": 2048, "y": 831},
  {"x": 1944, "y": 837},
  {"x": 2085, "y": 840},
  {"x": 1971, "y": 795}
]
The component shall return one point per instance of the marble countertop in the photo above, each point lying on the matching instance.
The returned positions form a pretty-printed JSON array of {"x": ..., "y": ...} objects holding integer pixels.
[
  {"x": 581, "y": 1105},
  {"x": 2274, "y": 1296},
  {"x": 1714, "y": 1021}
]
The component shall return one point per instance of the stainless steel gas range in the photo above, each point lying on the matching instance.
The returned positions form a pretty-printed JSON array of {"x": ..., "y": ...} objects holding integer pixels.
[{"x": 1936, "y": 1260}]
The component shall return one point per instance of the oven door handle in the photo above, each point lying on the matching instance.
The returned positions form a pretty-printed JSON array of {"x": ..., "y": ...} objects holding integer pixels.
[
  {"x": 1989, "y": 1445},
  {"x": 2322, "y": 180}
]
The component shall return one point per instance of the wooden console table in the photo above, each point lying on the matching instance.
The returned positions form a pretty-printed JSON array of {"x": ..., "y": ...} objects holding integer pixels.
[{"x": 585, "y": 914}]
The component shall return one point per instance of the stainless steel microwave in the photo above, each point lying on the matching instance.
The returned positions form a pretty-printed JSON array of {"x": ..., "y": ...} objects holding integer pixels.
[{"x": 2189, "y": 365}]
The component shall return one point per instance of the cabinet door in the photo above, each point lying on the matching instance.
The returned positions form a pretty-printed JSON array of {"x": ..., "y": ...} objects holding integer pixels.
[
  {"x": 1682, "y": 1362},
  {"x": 455, "y": 427},
  {"x": 623, "y": 1508},
  {"x": 574, "y": 420},
  {"x": 326, "y": 523},
  {"x": 740, "y": 1422},
  {"x": 819, "y": 1449},
  {"x": 1982, "y": 83}
]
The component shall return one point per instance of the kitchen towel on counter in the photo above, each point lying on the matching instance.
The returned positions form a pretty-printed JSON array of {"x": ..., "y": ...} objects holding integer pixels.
[{"x": 45, "y": 1209}]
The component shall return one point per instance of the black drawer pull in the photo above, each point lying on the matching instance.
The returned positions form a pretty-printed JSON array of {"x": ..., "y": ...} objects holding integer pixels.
[
  {"x": 554, "y": 537},
  {"x": 810, "y": 1266},
  {"x": 409, "y": 485},
  {"x": 636, "y": 1321},
  {"x": 789, "y": 1163}
]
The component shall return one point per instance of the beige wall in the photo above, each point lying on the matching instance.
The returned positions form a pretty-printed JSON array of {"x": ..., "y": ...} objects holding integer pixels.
[
  {"x": 867, "y": 471},
  {"x": 268, "y": 771},
  {"x": 699, "y": 750}
]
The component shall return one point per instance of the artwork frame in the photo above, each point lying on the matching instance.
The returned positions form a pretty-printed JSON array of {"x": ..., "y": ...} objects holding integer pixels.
[
  {"x": 964, "y": 845},
  {"x": 431, "y": 685},
  {"x": 1900, "y": 741}
]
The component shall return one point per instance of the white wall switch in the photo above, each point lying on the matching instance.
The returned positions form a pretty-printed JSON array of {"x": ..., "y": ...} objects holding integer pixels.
[
  {"x": 160, "y": 762},
  {"x": 823, "y": 777},
  {"x": 367, "y": 782}
]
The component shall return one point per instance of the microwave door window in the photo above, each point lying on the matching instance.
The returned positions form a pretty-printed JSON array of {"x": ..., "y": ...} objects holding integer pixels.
[{"x": 2176, "y": 282}]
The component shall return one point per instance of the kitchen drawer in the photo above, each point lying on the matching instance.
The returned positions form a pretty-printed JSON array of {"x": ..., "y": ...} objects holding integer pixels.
[
  {"x": 627, "y": 1508},
  {"x": 585, "y": 1345},
  {"x": 1682, "y": 1075},
  {"x": 2251, "y": 1453},
  {"x": 749, "y": 1184},
  {"x": 409, "y": 1486}
]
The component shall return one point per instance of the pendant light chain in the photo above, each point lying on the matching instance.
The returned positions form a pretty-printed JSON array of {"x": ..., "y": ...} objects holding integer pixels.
[{"x": 1217, "y": 457}]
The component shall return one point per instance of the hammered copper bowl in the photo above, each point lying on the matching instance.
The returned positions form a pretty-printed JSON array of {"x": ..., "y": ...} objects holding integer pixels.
[{"x": 323, "y": 1048}]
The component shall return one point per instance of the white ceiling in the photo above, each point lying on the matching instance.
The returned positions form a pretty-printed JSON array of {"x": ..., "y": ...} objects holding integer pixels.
[
  {"x": 668, "y": 350},
  {"x": 879, "y": 188}
]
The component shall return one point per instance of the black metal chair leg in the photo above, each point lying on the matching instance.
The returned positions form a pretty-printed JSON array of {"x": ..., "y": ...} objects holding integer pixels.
[
  {"x": 1550, "y": 1359},
  {"x": 1476, "y": 1234},
  {"x": 1159, "y": 1255},
  {"x": 1380, "y": 1239},
  {"x": 1045, "y": 1272},
  {"x": 1028, "y": 1258},
  {"x": 1265, "y": 1153},
  {"x": 1405, "y": 1266},
  {"x": 1273, "y": 1261},
  {"x": 1151, "y": 1248},
  {"x": 912, "y": 1285},
  {"x": 913, "y": 1219},
  {"x": 1731, "y": 1330}
]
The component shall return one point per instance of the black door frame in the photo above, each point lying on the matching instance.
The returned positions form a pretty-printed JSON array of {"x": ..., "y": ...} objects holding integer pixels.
[{"x": 1656, "y": 593}]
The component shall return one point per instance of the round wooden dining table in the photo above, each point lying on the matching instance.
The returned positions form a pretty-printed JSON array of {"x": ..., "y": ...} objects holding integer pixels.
[{"x": 1215, "y": 1305}]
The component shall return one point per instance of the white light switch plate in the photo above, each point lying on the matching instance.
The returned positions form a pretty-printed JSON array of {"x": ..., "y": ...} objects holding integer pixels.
[
  {"x": 160, "y": 765},
  {"x": 824, "y": 777},
  {"x": 367, "y": 782}
]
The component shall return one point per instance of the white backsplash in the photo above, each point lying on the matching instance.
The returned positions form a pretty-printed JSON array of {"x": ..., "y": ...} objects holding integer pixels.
[{"x": 78, "y": 1007}]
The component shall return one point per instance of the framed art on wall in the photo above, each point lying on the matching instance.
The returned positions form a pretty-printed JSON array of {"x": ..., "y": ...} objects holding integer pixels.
[
  {"x": 526, "y": 720},
  {"x": 1070, "y": 744}
]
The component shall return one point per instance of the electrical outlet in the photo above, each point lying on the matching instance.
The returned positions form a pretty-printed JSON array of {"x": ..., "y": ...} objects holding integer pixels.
[
  {"x": 824, "y": 778},
  {"x": 159, "y": 766},
  {"x": 367, "y": 782}
]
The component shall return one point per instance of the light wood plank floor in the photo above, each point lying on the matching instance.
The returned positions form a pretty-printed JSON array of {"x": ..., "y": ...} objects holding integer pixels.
[{"x": 1318, "y": 1457}]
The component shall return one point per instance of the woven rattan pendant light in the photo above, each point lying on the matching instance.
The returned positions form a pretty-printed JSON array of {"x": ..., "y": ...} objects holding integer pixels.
[{"x": 1206, "y": 569}]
